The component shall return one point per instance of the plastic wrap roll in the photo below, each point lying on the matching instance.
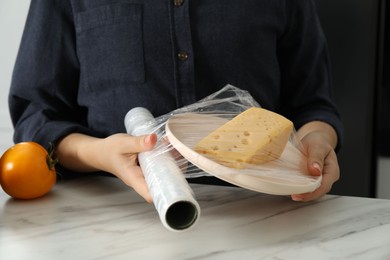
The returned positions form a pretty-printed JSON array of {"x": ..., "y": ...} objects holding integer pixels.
[{"x": 171, "y": 194}]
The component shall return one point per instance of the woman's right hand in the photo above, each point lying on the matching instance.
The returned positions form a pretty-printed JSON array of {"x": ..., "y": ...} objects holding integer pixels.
[{"x": 116, "y": 154}]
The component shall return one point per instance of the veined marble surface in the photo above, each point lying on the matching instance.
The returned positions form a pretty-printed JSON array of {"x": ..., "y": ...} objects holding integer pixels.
[{"x": 101, "y": 218}]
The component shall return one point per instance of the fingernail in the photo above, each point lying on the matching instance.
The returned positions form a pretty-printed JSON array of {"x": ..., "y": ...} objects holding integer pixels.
[
  {"x": 147, "y": 139},
  {"x": 317, "y": 166},
  {"x": 296, "y": 198}
]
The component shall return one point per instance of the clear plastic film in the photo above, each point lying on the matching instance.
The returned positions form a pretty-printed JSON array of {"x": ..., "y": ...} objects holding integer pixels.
[
  {"x": 251, "y": 156},
  {"x": 171, "y": 194}
]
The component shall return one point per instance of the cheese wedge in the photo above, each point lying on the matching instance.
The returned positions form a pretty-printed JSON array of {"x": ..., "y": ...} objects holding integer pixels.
[{"x": 255, "y": 136}]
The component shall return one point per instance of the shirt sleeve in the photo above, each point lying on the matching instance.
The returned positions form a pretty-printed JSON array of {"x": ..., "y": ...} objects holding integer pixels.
[
  {"x": 43, "y": 93},
  {"x": 306, "y": 93}
]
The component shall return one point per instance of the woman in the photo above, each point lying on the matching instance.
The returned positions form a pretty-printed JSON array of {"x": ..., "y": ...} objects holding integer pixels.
[{"x": 83, "y": 64}]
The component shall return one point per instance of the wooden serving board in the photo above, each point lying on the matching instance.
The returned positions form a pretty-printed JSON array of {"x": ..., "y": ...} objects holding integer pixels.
[{"x": 284, "y": 176}]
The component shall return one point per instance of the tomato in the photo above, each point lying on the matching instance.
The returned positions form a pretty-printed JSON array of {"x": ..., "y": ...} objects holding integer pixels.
[{"x": 27, "y": 171}]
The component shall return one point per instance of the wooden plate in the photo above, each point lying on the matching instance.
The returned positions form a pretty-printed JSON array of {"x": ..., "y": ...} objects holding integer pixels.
[{"x": 284, "y": 176}]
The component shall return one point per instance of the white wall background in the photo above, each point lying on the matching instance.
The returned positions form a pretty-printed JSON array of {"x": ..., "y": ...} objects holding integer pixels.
[{"x": 12, "y": 19}]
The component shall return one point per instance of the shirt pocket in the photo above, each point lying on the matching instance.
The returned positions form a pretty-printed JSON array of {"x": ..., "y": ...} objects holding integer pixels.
[{"x": 110, "y": 44}]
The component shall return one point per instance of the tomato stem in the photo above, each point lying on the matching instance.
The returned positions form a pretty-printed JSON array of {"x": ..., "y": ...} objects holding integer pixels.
[{"x": 51, "y": 158}]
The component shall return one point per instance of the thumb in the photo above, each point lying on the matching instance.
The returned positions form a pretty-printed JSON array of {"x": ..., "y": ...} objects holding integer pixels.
[
  {"x": 315, "y": 160},
  {"x": 146, "y": 142},
  {"x": 136, "y": 144}
]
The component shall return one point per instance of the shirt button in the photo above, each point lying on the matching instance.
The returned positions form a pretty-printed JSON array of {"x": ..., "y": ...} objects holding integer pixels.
[
  {"x": 182, "y": 55},
  {"x": 178, "y": 2}
]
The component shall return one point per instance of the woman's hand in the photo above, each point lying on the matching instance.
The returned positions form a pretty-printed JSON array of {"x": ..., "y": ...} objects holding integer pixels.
[
  {"x": 116, "y": 154},
  {"x": 319, "y": 140}
]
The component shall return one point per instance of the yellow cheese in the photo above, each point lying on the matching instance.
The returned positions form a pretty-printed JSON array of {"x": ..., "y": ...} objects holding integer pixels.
[{"x": 255, "y": 136}]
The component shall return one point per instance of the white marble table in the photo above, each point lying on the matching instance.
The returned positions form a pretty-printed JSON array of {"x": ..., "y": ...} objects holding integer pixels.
[{"x": 100, "y": 218}]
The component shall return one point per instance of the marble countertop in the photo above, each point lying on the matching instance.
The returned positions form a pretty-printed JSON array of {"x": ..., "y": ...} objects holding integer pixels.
[{"x": 101, "y": 218}]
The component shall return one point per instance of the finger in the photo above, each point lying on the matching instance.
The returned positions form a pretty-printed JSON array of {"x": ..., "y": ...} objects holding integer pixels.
[
  {"x": 136, "y": 144},
  {"x": 149, "y": 141},
  {"x": 324, "y": 188},
  {"x": 315, "y": 158},
  {"x": 144, "y": 143},
  {"x": 330, "y": 176},
  {"x": 319, "y": 192}
]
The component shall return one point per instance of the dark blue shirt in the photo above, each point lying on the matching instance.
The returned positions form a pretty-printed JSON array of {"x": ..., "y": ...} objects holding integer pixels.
[{"x": 83, "y": 64}]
